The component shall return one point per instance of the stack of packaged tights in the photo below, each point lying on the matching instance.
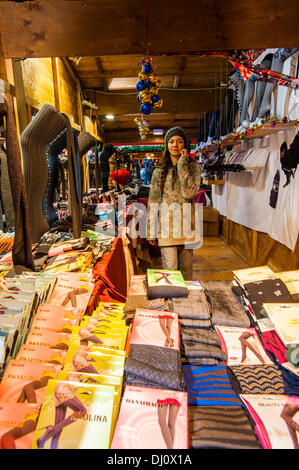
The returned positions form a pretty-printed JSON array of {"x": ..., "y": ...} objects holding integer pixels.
[
  {"x": 154, "y": 357},
  {"x": 154, "y": 406},
  {"x": 63, "y": 389},
  {"x": 6, "y": 241},
  {"x": 20, "y": 297}
]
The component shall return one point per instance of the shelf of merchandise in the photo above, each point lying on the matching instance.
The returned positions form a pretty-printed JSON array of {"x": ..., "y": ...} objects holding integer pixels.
[
  {"x": 213, "y": 181},
  {"x": 265, "y": 129}
]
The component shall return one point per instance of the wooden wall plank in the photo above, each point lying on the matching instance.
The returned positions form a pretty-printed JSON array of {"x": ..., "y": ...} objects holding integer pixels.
[
  {"x": 38, "y": 81},
  {"x": 64, "y": 28},
  {"x": 264, "y": 250}
]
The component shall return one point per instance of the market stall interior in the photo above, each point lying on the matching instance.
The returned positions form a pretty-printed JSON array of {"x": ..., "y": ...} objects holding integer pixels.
[{"x": 88, "y": 311}]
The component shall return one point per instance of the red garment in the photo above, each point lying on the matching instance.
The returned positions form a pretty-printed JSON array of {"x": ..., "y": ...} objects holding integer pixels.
[
  {"x": 168, "y": 401},
  {"x": 273, "y": 343},
  {"x": 165, "y": 316},
  {"x": 111, "y": 277},
  {"x": 121, "y": 176}
]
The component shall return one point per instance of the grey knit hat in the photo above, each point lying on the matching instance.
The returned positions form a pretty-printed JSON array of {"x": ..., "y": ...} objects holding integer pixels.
[{"x": 177, "y": 131}]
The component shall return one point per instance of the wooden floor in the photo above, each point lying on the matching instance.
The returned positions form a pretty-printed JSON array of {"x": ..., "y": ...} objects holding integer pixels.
[{"x": 213, "y": 261}]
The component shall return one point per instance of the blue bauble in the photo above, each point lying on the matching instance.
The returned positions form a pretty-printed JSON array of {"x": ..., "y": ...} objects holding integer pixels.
[
  {"x": 146, "y": 108},
  {"x": 141, "y": 85},
  {"x": 147, "y": 68},
  {"x": 155, "y": 98}
]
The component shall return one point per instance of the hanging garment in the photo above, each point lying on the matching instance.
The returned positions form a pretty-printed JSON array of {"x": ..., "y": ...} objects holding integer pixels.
[
  {"x": 6, "y": 192},
  {"x": 266, "y": 379},
  {"x": 224, "y": 306},
  {"x": 53, "y": 149},
  {"x": 274, "y": 190},
  {"x": 260, "y": 86},
  {"x": 154, "y": 366},
  {"x": 209, "y": 386},
  {"x": 238, "y": 82},
  {"x": 74, "y": 178},
  {"x": 22, "y": 247},
  {"x": 243, "y": 61},
  {"x": 105, "y": 155},
  {"x": 290, "y": 159},
  {"x": 39, "y": 133},
  {"x": 220, "y": 427},
  {"x": 85, "y": 142}
]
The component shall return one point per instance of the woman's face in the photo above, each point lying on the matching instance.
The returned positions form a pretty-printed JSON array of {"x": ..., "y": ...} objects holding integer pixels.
[{"x": 175, "y": 146}]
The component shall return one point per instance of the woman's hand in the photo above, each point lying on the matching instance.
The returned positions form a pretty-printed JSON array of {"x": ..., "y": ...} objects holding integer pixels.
[
  {"x": 153, "y": 242},
  {"x": 184, "y": 153}
]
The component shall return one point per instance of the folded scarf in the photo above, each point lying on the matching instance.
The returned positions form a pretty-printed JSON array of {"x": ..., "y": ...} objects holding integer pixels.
[
  {"x": 225, "y": 308},
  {"x": 193, "y": 307},
  {"x": 156, "y": 365},
  {"x": 266, "y": 379},
  {"x": 200, "y": 361},
  {"x": 189, "y": 323},
  {"x": 199, "y": 335},
  {"x": 209, "y": 386},
  {"x": 266, "y": 291},
  {"x": 220, "y": 428},
  {"x": 192, "y": 350}
]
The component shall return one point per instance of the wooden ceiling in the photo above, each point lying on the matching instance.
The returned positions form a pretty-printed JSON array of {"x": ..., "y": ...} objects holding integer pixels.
[
  {"x": 190, "y": 86},
  {"x": 109, "y": 36}
]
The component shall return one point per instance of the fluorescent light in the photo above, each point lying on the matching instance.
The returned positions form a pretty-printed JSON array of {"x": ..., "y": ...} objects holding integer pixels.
[
  {"x": 158, "y": 131},
  {"x": 109, "y": 116},
  {"x": 122, "y": 83}
]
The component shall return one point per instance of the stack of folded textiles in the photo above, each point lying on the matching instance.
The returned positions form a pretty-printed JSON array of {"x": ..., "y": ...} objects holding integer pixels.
[{"x": 200, "y": 343}]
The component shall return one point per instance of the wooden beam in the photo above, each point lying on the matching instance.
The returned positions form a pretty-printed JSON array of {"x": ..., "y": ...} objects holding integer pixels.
[
  {"x": 173, "y": 101},
  {"x": 63, "y": 27},
  {"x": 20, "y": 95},
  {"x": 181, "y": 65},
  {"x": 56, "y": 82},
  {"x": 254, "y": 241},
  {"x": 72, "y": 74},
  {"x": 267, "y": 252},
  {"x": 3, "y": 72},
  {"x": 100, "y": 69}
]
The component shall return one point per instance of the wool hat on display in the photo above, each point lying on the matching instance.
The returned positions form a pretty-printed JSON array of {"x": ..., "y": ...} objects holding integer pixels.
[
  {"x": 121, "y": 176},
  {"x": 85, "y": 142},
  {"x": 180, "y": 132}
]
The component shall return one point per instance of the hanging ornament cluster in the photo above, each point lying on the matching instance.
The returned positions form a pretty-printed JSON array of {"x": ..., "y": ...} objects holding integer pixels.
[
  {"x": 143, "y": 127},
  {"x": 148, "y": 86}
]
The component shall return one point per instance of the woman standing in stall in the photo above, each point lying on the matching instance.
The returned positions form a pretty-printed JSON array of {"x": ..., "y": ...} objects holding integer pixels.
[{"x": 175, "y": 184}]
